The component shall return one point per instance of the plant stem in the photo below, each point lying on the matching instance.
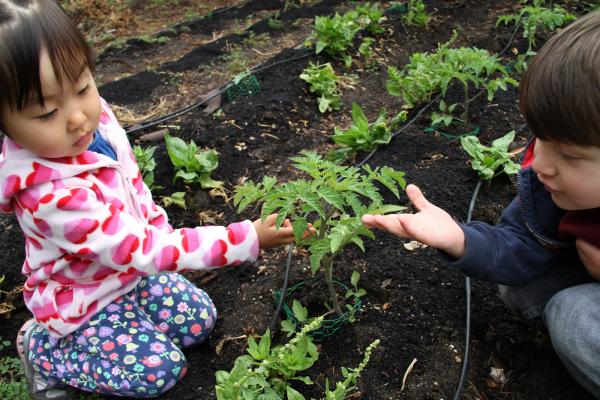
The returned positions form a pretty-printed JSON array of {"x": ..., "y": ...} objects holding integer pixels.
[
  {"x": 466, "y": 114},
  {"x": 328, "y": 266}
]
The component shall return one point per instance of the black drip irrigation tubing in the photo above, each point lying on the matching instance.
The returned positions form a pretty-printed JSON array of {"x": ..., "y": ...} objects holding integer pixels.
[{"x": 465, "y": 360}]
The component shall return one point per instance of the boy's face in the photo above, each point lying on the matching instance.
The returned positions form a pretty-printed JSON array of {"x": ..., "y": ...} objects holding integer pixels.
[
  {"x": 66, "y": 125},
  {"x": 570, "y": 173}
]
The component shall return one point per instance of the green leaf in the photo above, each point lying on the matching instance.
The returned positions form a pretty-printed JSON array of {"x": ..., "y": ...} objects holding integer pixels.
[
  {"x": 355, "y": 277},
  {"x": 221, "y": 377},
  {"x": 177, "y": 150},
  {"x": 386, "y": 209},
  {"x": 332, "y": 197},
  {"x": 252, "y": 348},
  {"x": 288, "y": 326},
  {"x": 300, "y": 312},
  {"x": 299, "y": 226},
  {"x": 503, "y": 142},
  {"x": 208, "y": 183},
  {"x": 359, "y": 242},
  {"x": 292, "y": 394},
  {"x": 320, "y": 47},
  {"x": 264, "y": 347},
  {"x": 317, "y": 250},
  {"x": 312, "y": 199}
]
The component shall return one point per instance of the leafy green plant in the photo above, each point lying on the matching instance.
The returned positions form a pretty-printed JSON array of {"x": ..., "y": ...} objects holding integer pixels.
[
  {"x": 289, "y": 4},
  {"x": 366, "y": 52},
  {"x": 536, "y": 17},
  {"x": 362, "y": 135},
  {"x": 416, "y": 14},
  {"x": 335, "y": 35},
  {"x": 236, "y": 59},
  {"x": 445, "y": 116},
  {"x": 297, "y": 315},
  {"x": 354, "y": 292},
  {"x": 351, "y": 375},
  {"x": 191, "y": 164},
  {"x": 146, "y": 163},
  {"x": 332, "y": 199},
  {"x": 267, "y": 372},
  {"x": 275, "y": 21},
  {"x": 429, "y": 73},
  {"x": 13, "y": 383},
  {"x": 490, "y": 161},
  {"x": 369, "y": 17},
  {"x": 591, "y": 5},
  {"x": 323, "y": 81},
  {"x": 177, "y": 198}
]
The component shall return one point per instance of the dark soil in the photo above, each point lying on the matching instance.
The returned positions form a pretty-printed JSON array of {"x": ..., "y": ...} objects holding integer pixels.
[{"x": 415, "y": 304}]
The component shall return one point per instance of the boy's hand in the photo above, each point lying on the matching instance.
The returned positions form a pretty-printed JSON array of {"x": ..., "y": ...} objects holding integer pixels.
[
  {"x": 431, "y": 225},
  {"x": 269, "y": 237},
  {"x": 590, "y": 257}
]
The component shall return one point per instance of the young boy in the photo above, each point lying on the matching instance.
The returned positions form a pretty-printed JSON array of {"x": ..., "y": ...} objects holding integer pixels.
[{"x": 545, "y": 252}]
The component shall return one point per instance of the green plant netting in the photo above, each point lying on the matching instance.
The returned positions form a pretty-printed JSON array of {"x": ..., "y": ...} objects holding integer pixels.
[
  {"x": 434, "y": 129},
  {"x": 329, "y": 326},
  {"x": 247, "y": 86}
]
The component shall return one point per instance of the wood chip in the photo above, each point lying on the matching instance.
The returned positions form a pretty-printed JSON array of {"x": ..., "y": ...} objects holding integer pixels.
[{"x": 414, "y": 245}]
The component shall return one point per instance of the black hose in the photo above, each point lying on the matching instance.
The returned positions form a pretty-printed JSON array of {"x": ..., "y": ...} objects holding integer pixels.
[
  {"x": 286, "y": 276},
  {"x": 465, "y": 359}
]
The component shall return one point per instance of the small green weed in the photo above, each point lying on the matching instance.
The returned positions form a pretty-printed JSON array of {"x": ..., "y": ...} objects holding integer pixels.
[
  {"x": 12, "y": 379},
  {"x": 146, "y": 163},
  {"x": 416, "y": 14}
]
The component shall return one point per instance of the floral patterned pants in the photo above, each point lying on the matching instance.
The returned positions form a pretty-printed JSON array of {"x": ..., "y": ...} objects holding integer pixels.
[{"x": 133, "y": 346}]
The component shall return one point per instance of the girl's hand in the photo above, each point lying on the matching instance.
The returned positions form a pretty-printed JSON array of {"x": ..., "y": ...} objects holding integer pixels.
[
  {"x": 589, "y": 256},
  {"x": 269, "y": 237},
  {"x": 431, "y": 225}
]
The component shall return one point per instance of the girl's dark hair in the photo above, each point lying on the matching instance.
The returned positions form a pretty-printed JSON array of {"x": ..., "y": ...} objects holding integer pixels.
[
  {"x": 27, "y": 27},
  {"x": 560, "y": 92}
]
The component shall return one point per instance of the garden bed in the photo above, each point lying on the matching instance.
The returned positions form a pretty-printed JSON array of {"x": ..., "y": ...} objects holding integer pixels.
[{"x": 414, "y": 304}]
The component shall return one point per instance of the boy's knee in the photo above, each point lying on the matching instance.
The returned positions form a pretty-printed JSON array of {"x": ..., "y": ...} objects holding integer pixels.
[
  {"x": 573, "y": 323},
  {"x": 565, "y": 315}
]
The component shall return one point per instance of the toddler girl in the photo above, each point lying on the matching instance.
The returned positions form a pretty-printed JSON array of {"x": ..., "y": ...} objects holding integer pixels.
[{"x": 111, "y": 314}]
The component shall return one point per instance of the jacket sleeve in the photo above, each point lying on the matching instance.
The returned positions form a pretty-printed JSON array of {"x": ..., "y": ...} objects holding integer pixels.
[
  {"x": 507, "y": 253},
  {"x": 78, "y": 223}
]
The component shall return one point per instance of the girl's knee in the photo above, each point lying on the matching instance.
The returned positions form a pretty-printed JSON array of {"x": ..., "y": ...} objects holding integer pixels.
[
  {"x": 163, "y": 373},
  {"x": 205, "y": 318}
]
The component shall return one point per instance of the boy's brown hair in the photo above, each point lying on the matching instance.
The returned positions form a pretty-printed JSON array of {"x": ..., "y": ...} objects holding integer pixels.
[{"x": 560, "y": 92}]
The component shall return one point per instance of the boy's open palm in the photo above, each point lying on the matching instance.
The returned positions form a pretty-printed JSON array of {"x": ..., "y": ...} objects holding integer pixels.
[{"x": 430, "y": 225}]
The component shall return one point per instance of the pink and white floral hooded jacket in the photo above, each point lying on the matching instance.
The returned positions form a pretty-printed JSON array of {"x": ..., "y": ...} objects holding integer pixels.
[{"x": 92, "y": 230}]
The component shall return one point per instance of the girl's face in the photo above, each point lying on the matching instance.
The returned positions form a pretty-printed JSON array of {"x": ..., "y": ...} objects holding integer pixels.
[
  {"x": 569, "y": 173},
  {"x": 65, "y": 126}
]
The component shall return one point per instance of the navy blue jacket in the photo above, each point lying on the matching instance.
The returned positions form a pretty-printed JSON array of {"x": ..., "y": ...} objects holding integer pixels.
[{"x": 525, "y": 243}]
